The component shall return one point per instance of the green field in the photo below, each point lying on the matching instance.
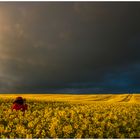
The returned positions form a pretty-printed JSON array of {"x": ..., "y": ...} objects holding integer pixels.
[{"x": 71, "y": 116}]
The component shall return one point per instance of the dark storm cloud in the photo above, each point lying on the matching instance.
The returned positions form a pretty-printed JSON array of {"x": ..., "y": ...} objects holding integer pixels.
[{"x": 48, "y": 44}]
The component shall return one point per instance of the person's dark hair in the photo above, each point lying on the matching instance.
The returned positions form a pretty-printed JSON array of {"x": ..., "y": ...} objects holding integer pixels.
[{"x": 19, "y": 100}]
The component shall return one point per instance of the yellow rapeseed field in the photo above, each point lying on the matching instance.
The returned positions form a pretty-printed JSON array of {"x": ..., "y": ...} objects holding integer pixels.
[{"x": 71, "y": 116}]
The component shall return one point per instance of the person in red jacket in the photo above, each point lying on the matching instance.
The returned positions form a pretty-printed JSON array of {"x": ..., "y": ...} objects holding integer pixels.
[{"x": 19, "y": 104}]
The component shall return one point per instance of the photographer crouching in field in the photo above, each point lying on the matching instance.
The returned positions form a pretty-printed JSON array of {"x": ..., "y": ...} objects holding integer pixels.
[{"x": 19, "y": 104}]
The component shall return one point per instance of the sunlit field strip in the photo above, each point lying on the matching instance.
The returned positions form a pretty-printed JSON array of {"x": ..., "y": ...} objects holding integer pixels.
[{"x": 128, "y": 98}]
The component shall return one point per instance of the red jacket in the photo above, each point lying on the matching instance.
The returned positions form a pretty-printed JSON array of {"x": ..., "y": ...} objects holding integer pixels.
[{"x": 19, "y": 107}]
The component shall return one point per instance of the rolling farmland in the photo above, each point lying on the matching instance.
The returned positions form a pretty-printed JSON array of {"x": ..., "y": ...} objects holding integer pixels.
[
  {"x": 89, "y": 98},
  {"x": 71, "y": 116}
]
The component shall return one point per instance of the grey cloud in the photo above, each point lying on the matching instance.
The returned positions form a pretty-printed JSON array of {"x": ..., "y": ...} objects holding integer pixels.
[{"x": 47, "y": 43}]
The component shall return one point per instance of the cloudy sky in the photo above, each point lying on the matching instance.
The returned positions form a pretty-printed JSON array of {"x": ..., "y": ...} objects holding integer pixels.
[{"x": 69, "y": 47}]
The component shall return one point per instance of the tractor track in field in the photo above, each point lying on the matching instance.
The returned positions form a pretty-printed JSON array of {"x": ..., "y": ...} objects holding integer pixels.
[
  {"x": 127, "y": 98},
  {"x": 103, "y": 99}
]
